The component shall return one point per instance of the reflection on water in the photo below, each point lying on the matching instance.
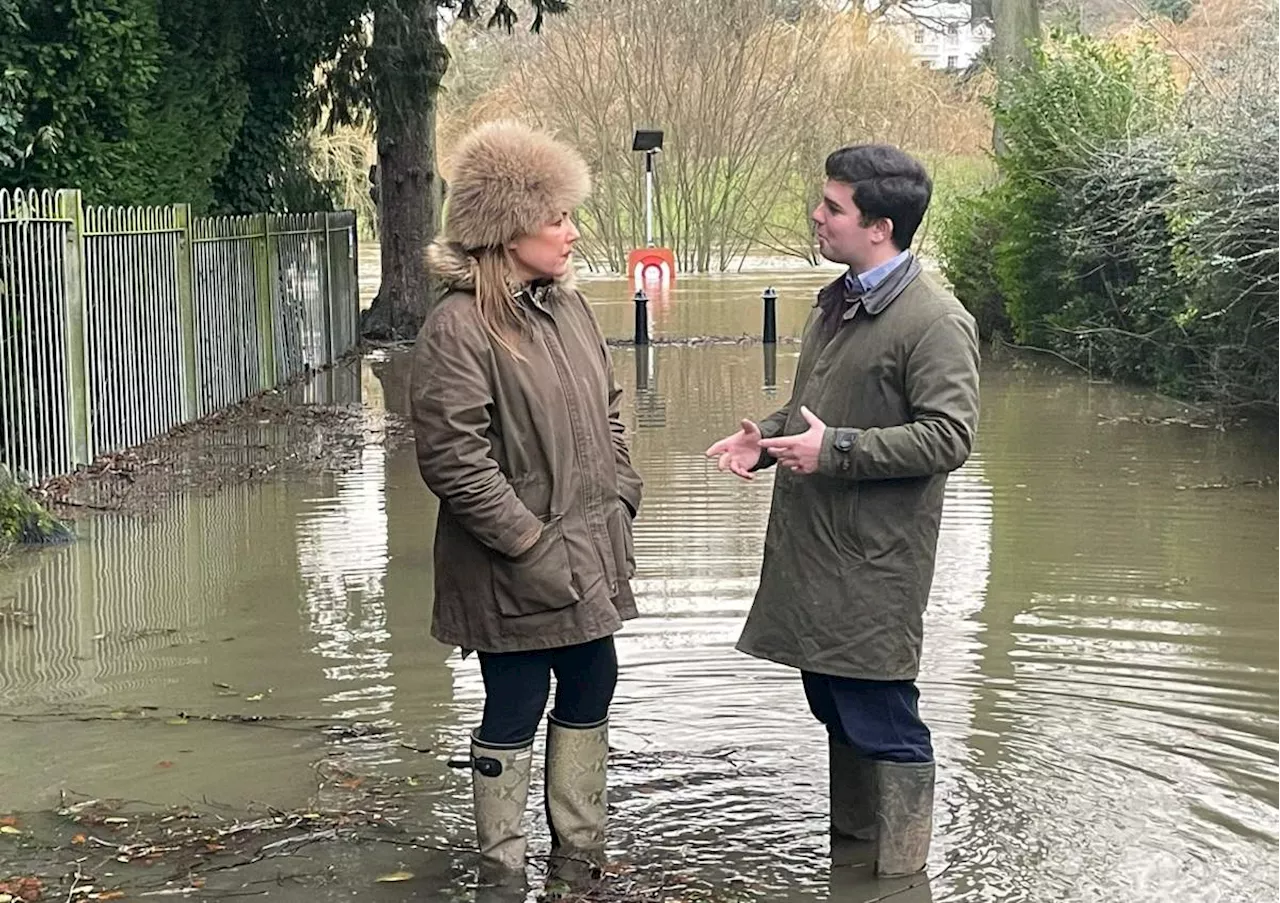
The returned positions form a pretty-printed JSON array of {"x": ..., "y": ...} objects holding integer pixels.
[
  {"x": 718, "y": 306},
  {"x": 342, "y": 559},
  {"x": 1100, "y": 665}
]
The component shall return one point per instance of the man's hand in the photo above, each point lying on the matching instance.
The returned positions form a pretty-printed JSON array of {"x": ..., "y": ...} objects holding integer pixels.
[
  {"x": 799, "y": 452},
  {"x": 740, "y": 452}
]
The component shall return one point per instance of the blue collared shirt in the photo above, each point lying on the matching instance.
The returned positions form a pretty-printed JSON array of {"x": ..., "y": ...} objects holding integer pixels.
[{"x": 874, "y": 276}]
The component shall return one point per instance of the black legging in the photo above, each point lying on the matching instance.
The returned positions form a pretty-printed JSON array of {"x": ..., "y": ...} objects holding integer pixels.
[{"x": 517, "y": 685}]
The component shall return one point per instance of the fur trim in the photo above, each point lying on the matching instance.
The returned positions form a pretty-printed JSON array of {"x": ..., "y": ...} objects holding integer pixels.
[
  {"x": 509, "y": 180},
  {"x": 451, "y": 265}
]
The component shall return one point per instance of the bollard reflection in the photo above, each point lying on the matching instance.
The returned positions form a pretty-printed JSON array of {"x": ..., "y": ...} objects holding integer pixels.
[
  {"x": 771, "y": 369},
  {"x": 651, "y": 407}
]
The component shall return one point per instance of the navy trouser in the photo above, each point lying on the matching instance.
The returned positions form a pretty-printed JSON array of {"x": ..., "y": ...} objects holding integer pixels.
[
  {"x": 880, "y": 719},
  {"x": 518, "y": 684}
]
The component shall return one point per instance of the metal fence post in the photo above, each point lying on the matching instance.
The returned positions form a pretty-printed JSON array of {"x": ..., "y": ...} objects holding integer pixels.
[
  {"x": 329, "y": 294},
  {"x": 263, "y": 255},
  {"x": 353, "y": 257},
  {"x": 187, "y": 315},
  {"x": 71, "y": 209}
]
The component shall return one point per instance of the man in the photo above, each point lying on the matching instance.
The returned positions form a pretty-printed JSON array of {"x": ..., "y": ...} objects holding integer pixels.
[{"x": 884, "y": 406}]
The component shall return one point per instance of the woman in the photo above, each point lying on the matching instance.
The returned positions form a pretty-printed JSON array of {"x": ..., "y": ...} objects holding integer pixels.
[{"x": 516, "y": 416}]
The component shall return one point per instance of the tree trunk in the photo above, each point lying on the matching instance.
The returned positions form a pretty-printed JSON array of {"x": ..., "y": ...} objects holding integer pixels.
[
  {"x": 1017, "y": 28},
  {"x": 407, "y": 61}
]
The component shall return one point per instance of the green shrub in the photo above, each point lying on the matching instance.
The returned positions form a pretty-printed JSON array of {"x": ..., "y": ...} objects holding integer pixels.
[
  {"x": 22, "y": 520},
  {"x": 967, "y": 232}
]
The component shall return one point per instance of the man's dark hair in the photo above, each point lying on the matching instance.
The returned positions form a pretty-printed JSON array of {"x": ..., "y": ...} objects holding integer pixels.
[{"x": 887, "y": 184}]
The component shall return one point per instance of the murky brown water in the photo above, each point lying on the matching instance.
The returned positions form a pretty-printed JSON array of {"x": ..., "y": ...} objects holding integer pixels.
[{"x": 1100, "y": 668}]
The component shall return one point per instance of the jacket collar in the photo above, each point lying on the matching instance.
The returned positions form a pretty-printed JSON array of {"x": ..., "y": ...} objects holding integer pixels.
[
  {"x": 866, "y": 281},
  {"x": 835, "y": 294}
]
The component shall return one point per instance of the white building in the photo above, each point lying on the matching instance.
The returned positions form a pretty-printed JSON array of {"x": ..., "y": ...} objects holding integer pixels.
[{"x": 940, "y": 34}]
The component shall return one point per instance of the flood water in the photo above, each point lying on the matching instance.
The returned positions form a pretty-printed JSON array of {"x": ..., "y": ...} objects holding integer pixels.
[{"x": 1100, "y": 667}]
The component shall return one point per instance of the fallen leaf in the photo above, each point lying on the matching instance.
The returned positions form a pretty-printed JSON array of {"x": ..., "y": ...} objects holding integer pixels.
[
  {"x": 10, "y": 820},
  {"x": 164, "y": 764},
  {"x": 256, "y": 697},
  {"x": 21, "y": 890},
  {"x": 78, "y": 839},
  {"x": 9, "y": 829},
  {"x": 115, "y": 820},
  {"x": 352, "y": 784},
  {"x": 395, "y": 876},
  {"x": 109, "y": 895}
]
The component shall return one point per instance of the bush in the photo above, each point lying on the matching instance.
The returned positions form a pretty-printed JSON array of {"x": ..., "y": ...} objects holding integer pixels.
[
  {"x": 967, "y": 233},
  {"x": 150, "y": 102},
  {"x": 1131, "y": 231},
  {"x": 1224, "y": 218},
  {"x": 22, "y": 520},
  {"x": 1081, "y": 95}
]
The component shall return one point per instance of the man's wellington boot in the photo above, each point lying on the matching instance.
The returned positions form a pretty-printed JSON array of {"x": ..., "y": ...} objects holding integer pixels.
[
  {"x": 904, "y": 817},
  {"x": 853, "y": 805}
]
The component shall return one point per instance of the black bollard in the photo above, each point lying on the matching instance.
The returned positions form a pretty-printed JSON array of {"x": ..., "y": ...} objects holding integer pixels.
[
  {"x": 770, "y": 298},
  {"x": 642, "y": 318},
  {"x": 770, "y": 368}
]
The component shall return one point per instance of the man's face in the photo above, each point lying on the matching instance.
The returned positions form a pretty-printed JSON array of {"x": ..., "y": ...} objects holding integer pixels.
[{"x": 842, "y": 238}]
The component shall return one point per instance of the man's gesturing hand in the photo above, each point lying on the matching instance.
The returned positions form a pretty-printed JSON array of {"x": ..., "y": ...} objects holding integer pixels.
[
  {"x": 799, "y": 452},
  {"x": 738, "y": 453}
]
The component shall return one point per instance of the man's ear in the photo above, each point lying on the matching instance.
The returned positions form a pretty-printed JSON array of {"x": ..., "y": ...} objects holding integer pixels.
[{"x": 884, "y": 229}]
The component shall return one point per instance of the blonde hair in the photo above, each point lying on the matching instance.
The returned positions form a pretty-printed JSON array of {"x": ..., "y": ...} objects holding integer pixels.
[{"x": 497, "y": 300}]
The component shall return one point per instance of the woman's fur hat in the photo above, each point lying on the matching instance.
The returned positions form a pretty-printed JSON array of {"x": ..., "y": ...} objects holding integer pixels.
[{"x": 510, "y": 180}]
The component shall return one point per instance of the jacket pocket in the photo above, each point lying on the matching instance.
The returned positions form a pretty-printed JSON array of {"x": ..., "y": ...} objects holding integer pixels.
[
  {"x": 622, "y": 539},
  {"x": 629, "y": 535},
  {"x": 851, "y": 502},
  {"x": 539, "y": 580}
]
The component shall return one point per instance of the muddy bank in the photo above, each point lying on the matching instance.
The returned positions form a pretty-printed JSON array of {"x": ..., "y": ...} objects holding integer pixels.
[{"x": 276, "y": 435}]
